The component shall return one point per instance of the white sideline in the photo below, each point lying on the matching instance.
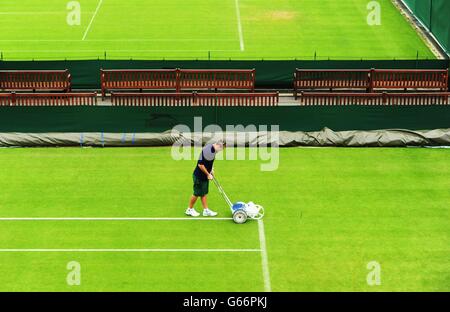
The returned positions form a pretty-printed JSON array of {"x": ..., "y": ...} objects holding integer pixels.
[
  {"x": 124, "y": 250},
  {"x": 92, "y": 19},
  {"x": 264, "y": 258},
  {"x": 241, "y": 36},
  {"x": 112, "y": 219}
]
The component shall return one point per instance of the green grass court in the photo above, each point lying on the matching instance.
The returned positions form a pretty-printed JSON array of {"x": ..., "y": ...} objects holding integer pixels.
[
  {"x": 199, "y": 29},
  {"x": 328, "y": 213}
]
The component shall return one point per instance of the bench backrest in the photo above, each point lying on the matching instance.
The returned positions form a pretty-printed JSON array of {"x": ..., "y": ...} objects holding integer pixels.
[
  {"x": 48, "y": 99},
  {"x": 177, "y": 79},
  {"x": 139, "y": 79},
  {"x": 331, "y": 79},
  {"x": 194, "y": 99},
  {"x": 307, "y": 79},
  {"x": 35, "y": 80},
  {"x": 409, "y": 79},
  {"x": 342, "y": 99},
  {"x": 217, "y": 79}
]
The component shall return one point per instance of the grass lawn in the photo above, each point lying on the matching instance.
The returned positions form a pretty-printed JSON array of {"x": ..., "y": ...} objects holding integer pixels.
[
  {"x": 216, "y": 29},
  {"x": 329, "y": 212}
]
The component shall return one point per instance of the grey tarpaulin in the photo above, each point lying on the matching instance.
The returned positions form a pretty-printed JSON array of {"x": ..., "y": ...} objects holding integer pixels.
[{"x": 325, "y": 137}]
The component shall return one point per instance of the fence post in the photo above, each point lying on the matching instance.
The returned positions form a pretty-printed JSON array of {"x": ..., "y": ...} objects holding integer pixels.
[
  {"x": 371, "y": 79},
  {"x": 384, "y": 98},
  {"x": 178, "y": 79}
]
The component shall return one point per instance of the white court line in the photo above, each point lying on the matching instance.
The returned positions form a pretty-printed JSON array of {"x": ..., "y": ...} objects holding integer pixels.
[
  {"x": 37, "y": 13},
  {"x": 241, "y": 36},
  {"x": 112, "y": 51},
  {"x": 110, "y": 219},
  {"x": 113, "y": 40},
  {"x": 92, "y": 19},
  {"x": 122, "y": 250},
  {"x": 264, "y": 258}
]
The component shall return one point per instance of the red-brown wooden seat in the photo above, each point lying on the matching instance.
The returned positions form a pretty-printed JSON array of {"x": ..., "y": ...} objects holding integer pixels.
[
  {"x": 368, "y": 99},
  {"x": 194, "y": 99},
  {"x": 36, "y": 80},
  {"x": 409, "y": 79},
  {"x": 177, "y": 79},
  {"x": 48, "y": 99},
  {"x": 314, "y": 79}
]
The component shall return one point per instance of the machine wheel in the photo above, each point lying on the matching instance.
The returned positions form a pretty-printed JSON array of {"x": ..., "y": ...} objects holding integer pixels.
[{"x": 239, "y": 216}]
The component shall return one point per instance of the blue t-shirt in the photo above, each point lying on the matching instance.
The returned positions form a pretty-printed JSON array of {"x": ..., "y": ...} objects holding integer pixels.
[{"x": 206, "y": 158}]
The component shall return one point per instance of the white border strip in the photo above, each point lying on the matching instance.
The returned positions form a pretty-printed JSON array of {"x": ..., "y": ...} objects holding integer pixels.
[
  {"x": 241, "y": 35},
  {"x": 264, "y": 258},
  {"x": 125, "y": 250},
  {"x": 92, "y": 19},
  {"x": 115, "y": 219}
]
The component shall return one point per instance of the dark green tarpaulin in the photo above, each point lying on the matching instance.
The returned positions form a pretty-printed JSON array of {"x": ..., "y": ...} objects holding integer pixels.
[
  {"x": 269, "y": 74},
  {"x": 325, "y": 137},
  {"x": 160, "y": 119}
]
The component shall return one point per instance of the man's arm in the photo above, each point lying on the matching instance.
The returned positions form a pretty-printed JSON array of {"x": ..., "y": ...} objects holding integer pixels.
[{"x": 203, "y": 169}]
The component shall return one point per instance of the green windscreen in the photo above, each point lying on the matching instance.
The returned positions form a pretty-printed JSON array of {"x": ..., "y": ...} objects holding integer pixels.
[{"x": 435, "y": 15}]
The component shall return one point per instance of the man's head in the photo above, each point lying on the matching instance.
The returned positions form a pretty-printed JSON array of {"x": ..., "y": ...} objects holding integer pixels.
[{"x": 219, "y": 145}]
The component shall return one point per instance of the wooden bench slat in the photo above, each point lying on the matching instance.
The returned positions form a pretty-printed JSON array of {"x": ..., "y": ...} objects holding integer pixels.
[
  {"x": 48, "y": 99},
  {"x": 371, "y": 80},
  {"x": 195, "y": 99},
  {"x": 57, "y": 80},
  {"x": 341, "y": 99},
  {"x": 177, "y": 79}
]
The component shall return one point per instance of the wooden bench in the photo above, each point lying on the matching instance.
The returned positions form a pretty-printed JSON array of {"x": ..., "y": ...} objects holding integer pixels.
[
  {"x": 177, "y": 79},
  {"x": 369, "y": 99},
  {"x": 48, "y": 99},
  {"x": 313, "y": 79},
  {"x": 370, "y": 80},
  {"x": 194, "y": 99},
  {"x": 226, "y": 79},
  {"x": 57, "y": 80},
  {"x": 157, "y": 79},
  {"x": 409, "y": 79}
]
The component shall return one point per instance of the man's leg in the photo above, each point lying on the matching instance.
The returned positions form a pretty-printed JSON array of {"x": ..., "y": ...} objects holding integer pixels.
[
  {"x": 206, "y": 211},
  {"x": 190, "y": 211},
  {"x": 192, "y": 201},
  {"x": 204, "y": 200}
]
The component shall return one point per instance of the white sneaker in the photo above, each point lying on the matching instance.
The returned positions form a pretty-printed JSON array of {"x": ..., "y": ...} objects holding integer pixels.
[
  {"x": 191, "y": 212},
  {"x": 209, "y": 213}
]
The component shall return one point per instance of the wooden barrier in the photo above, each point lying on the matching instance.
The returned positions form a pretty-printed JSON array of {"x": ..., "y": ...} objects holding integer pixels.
[
  {"x": 48, "y": 99},
  {"x": 237, "y": 99},
  {"x": 177, "y": 79},
  {"x": 194, "y": 99},
  {"x": 369, "y": 99},
  {"x": 151, "y": 99},
  {"x": 58, "y": 80}
]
